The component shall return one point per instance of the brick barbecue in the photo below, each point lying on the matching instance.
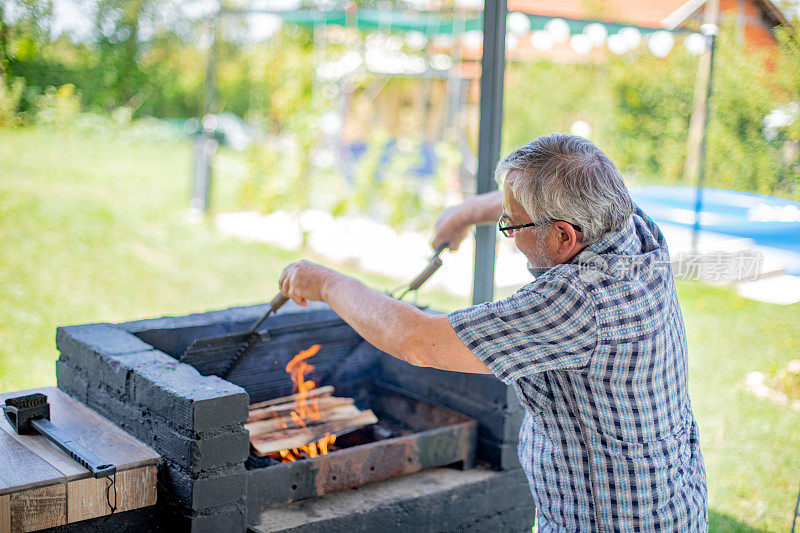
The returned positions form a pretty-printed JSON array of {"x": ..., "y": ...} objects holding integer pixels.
[{"x": 129, "y": 373}]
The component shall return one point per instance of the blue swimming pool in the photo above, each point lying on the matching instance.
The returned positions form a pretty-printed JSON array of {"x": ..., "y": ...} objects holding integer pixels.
[{"x": 767, "y": 220}]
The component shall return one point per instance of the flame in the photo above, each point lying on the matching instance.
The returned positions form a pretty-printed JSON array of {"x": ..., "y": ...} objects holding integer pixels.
[
  {"x": 297, "y": 368},
  {"x": 310, "y": 450},
  {"x": 304, "y": 410}
]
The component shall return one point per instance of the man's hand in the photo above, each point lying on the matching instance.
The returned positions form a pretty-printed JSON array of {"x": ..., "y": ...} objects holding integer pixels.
[
  {"x": 304, "y": 281},
  {"x": 451, "y": 228},
  {"x": 455, "y": 222}
]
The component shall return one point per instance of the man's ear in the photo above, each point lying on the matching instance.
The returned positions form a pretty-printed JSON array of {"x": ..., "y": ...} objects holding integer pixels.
[{"x": 567, "y": 236}]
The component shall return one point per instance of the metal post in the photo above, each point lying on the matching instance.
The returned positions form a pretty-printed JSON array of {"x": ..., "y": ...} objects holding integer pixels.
[
  {"x": 492, "y": 68},
  {"x": 710, "y": 31},
  {"x": 205, "y": 145}
]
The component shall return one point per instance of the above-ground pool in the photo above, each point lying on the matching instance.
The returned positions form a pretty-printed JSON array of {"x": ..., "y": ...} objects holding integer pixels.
[{"x": 769, "y": 221}]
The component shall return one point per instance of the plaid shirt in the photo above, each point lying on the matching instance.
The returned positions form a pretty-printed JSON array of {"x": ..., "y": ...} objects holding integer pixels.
[{"x": 596, "y": 351}]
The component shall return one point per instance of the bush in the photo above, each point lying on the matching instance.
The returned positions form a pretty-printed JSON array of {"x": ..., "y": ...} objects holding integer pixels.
[
  {"x": 639, "y": 108},
  {"x": 650, "y": 111},
  {"x": 10, "y": 96},
  {"x": 59, "y": 107},
  {"x": 738, "y": 154}
]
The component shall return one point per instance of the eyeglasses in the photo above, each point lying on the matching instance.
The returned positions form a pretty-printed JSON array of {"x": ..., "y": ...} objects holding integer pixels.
[{"x": 508, "y": 230}]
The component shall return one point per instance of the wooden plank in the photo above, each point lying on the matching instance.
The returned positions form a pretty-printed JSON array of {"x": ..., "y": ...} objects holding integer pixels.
[
  {"x": 49, "y": 453},
  {"x": 294, "y": 438},
  {"x": 86, "y": 498},
  {"x": 21, "y": 469},
  {"x": 39, "y": 508},
  {"x": 319, "y": 392},
  {"x": 274, "y": 411},
  {"x": 262, "y": 427},
  {"x": 5, "y": 513},
  {"x": 100, "y": 436}
]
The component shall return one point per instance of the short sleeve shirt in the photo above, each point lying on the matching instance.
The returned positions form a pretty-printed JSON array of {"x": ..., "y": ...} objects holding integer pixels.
[{"x": 596, "y": 352}]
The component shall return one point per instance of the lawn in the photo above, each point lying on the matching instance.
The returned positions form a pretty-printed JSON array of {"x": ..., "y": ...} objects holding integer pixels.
[{"x": 95, "y": 228}]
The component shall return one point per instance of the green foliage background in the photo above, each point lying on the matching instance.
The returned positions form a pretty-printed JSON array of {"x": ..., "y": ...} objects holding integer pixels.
[{"x": 637, "y": 105}]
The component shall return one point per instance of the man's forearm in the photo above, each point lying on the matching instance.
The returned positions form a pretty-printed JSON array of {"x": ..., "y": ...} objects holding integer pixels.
[
  {"x": 395, "y": 327},
  {"x": 484, "y": 208},
  {"x": 386, "y": 323}
]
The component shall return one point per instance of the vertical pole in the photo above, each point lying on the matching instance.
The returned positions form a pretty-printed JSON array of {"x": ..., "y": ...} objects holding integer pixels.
[
  {"x": 491, "y": 104},
  {"x": 210, "y": 99},
  {"x": 205, "y": 144},
  {"x": 710, "y": 32},
  {"x": 695, "y": 146}
]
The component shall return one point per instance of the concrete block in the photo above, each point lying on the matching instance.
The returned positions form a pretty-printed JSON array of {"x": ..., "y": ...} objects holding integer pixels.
[
  {"x": 483, "y": 388},
  {"x": 438, "y": 499},
  {"x": 228, "y": 518},
  {"x": 499, "y": 455},
  {"x": 221, "y": 403},
  {"x": 194, "y": 452},
  {"x": 116, "y": 371},
  {"x": 70, "y": 381},
  {"x": 132, "y": 419},
  {"x": 226, "y": 446},
  {"x": 210, "y": 489},
  {"x": 498, "y": 420},
  {"x": 82, "y": 344},
  {"x": 191, "y": 401}
]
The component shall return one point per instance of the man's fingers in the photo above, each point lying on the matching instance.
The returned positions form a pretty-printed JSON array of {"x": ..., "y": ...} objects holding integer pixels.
[
  {"x": 283, "y": 282},
  {"x": 288, "y": 285}
]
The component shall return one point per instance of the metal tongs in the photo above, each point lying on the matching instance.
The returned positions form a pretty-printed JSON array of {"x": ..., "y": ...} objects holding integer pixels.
[{"x": 433, "y": 265}]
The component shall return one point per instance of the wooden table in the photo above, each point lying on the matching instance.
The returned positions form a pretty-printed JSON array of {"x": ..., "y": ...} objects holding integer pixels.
[{"x": 41, "y": 486}]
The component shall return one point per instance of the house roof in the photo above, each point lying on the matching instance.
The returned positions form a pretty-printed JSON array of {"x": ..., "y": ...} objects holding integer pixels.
[
  {"x": 639, "y": 12},
  {"x": 652, "y": 13}
]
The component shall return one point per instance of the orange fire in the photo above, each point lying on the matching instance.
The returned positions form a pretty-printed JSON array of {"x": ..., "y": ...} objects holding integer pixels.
[
  {"x": 305, "y": 411},
  {"x": 298, "y": 367}
]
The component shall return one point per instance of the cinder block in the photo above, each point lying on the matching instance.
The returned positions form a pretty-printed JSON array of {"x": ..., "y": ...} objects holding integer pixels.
[
  {"x": 229, "y": 518},
  {"x": 69, "y": 381},
  {"x": 132, "y": 419},
  {"x": 498, "y": 502},
  {"x": 82, "y": 344},
  {"x": 209, "y": 489},
  {"x": 191, "y": 401},
  {"x": 194, "y": 452},
  {"x": 499, "y": 417},
  {"x": 500, "y": 455},
  {"x": 116, "y": 370},
  {"x": 483, "y": 388},
  {"x": 225, "y": 446},
  {"x": 220, "y": 404}
]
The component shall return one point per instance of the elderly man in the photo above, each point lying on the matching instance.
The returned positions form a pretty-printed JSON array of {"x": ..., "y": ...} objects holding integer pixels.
[{"x": 595, "y": 346}]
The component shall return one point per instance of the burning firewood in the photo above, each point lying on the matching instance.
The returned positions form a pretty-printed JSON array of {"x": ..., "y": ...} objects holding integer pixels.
[
  {"x": 287, "y": 439},
  {"x": 283, "y": 409},
  {"x": 340, "y": 412},
  {"x": 319, "y": 392},
  {"x": 306, "y": 423}
]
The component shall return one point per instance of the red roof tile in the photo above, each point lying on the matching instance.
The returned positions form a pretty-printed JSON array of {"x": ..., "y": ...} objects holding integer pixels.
[{"x": 639, "y": 12}]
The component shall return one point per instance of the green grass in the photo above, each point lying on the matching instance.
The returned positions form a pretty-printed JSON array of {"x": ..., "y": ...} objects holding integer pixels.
[{"x": 93, "y": 229}]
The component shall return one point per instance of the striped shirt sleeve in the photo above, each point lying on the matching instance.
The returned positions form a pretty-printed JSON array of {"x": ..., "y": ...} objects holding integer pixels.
[{"x": 547, "y": 325}]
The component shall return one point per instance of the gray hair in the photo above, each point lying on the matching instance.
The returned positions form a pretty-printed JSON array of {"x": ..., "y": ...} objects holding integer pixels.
[{"x": 566, "y": 177}]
